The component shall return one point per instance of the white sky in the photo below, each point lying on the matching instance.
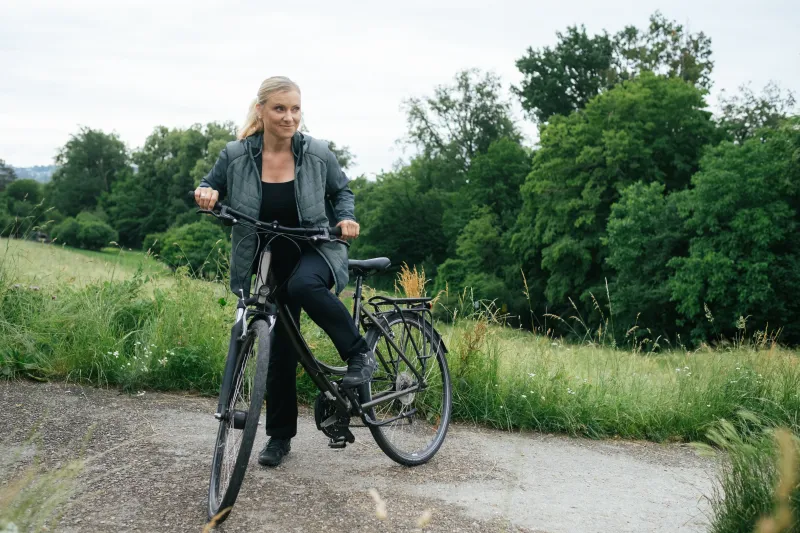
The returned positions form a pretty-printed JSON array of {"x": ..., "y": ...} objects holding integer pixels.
[{"x": 130, "y": 66}]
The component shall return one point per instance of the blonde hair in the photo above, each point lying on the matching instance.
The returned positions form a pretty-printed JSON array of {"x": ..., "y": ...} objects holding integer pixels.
[{"x": 270, "y": 86}]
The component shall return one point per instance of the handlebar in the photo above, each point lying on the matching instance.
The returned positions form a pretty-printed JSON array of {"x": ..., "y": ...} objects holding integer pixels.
[{"x": 225, "y": 212}]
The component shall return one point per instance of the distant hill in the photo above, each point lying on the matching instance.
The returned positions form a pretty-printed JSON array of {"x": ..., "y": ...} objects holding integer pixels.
[{"x": 39, "y": 173}]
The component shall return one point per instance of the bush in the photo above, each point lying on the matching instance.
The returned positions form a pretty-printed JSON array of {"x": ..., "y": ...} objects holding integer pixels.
[
  {"x": 153, "y": 242},
  {"x": 202, "y": 246},
  {"x": 84, "y": 231},
  {"x": 67, "y": 232},
  {"x": 95, "y": 235}
]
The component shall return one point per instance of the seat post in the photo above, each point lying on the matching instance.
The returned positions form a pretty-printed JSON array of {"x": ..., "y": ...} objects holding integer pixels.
[{"x": 357, "y": 300}]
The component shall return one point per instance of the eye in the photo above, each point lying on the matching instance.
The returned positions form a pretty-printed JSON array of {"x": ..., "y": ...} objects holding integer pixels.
[{"x": 278, "y": 108}]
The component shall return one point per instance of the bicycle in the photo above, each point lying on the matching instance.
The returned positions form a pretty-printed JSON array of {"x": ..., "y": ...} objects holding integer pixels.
[{"x": 406, "y": 405}]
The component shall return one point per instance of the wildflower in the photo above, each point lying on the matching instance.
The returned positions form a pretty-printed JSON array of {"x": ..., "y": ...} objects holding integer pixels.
[
  {"x": 153, "y": 346},
  {"x": 128, "y": 364},
  {"x": 501, "y": 407},
  {"x": 686, "y": 368},
  {"x": 531, "y": 375},
  {"x": 708, "y": 405},
  {"x": 524, "y": 396},
  {"x": 137, "y": 343},
  {"x": 163, "y": 361},
  {"x": 677, "y": 370}
]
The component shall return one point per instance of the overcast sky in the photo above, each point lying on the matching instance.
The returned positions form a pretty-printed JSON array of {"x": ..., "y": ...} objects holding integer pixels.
[{"x": 130, "y": 66}]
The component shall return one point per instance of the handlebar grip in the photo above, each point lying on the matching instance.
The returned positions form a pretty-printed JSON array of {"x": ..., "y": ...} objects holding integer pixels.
[{"x": 336, "y": 232}]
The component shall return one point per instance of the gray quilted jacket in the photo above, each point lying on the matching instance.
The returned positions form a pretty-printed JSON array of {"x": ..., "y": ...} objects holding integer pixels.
[{"x": 323, "y": 199}]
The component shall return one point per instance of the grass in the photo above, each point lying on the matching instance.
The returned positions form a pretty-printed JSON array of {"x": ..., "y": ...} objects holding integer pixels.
[
  {"x": 757, "y": 489},
  {"x": 118, "y": 318},
  {"x": 40, "y": 264},
  {"x": 513, "y": 379}
]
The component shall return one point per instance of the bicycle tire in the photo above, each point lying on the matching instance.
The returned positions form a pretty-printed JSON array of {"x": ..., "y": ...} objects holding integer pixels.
[
  {"x": 220, "y": 503},
  {"x": 382, "y": 379}
]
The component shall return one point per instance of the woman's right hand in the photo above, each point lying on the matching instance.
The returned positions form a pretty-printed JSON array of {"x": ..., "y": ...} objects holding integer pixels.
[{"x": 206, "y": 197}]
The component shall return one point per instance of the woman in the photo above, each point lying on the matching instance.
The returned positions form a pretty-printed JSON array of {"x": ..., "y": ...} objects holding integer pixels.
[{"x": 275, "y": 173}]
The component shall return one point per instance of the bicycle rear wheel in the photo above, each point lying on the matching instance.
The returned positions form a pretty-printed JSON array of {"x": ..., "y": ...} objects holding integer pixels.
[
  {"x": 424, "y": 415},
  {"x": 237, "y": 429}
]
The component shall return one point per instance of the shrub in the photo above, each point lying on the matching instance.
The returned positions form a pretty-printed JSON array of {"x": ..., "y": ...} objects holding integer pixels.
[
  {"x": 202, "y": 246},
  {"x": 84, "y": 231},
  {"x": 95, "y": 235},
  {"x": 67, "y": 232}
]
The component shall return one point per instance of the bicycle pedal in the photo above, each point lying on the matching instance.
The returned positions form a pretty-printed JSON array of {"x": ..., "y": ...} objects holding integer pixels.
[{"x": 337, "y": 444}]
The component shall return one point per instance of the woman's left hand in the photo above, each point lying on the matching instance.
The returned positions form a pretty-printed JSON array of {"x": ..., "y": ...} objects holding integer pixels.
[{"x": 350, "y": 229}]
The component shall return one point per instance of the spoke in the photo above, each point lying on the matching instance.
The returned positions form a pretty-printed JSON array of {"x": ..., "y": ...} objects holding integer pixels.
[{"x": 411, "y": 435}]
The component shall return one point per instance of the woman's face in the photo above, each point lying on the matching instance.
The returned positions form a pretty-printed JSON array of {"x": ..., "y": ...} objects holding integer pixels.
[{"x": 281, "y": 114}]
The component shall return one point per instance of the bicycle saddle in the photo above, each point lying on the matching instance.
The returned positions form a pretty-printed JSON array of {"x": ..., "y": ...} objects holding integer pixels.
[{"x": 369, "y": 265}]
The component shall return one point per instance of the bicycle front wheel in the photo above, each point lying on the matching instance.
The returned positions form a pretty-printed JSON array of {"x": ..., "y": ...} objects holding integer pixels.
[
  {"x": 237, "y": 428},
  {"x": 411, "y": 427}
]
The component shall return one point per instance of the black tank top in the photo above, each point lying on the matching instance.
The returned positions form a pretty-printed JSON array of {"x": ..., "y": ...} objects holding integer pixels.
[{"x": 278, "y": 204}]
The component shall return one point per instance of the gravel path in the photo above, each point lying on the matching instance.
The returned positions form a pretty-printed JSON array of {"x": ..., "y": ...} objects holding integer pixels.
[{"x": 146, "y": 462}]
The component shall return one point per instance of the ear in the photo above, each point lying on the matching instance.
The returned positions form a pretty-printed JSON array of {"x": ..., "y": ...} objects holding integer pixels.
[{"x": 259, "y": 109}]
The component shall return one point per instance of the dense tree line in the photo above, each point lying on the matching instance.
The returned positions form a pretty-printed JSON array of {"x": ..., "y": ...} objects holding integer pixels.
[{"x": 638, "y": 211}]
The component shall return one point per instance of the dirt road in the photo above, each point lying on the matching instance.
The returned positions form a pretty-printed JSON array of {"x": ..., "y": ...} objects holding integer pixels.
[{"x": 146, "y": 464}]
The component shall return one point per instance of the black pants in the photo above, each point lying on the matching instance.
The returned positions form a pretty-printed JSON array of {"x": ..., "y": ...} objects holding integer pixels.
[{"x": 308, "y": 288}]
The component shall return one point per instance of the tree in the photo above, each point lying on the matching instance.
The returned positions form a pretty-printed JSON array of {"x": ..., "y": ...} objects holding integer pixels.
[
  {"x": 343, "y": 155},
  {"x": 170, "y": 164},
  {"x": 7, "y": 175},
  {"x": 89, "y": 165},
  {"x": 495, "y": 177},
  {"x": 665, "y": 48},
  {"x": 400, "y": 221},
  {"x": 644, "y": 232},
  {"x": 25, "y": 191},
  {"x": 562, "y": 79},
  {"x": 460, "y": 120},
  {"x": 742, "y": 214},
  {"x": 651, "y": 129},
  {"x": 559, "y": 80},
  {"x": 745, "y": 113}
]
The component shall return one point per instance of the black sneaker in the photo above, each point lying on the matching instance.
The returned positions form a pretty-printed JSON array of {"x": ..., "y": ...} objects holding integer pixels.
[
  {"x": 359, "y": 369},
  {"x": 273, "y": 452}
]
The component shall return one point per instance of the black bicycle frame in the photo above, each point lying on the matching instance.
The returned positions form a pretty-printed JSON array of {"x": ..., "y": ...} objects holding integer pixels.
[{"x": 269, "y": 306}]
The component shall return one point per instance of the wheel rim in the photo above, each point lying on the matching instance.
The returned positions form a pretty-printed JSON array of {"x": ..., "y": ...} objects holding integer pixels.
[{"x": 416, "y": 435}]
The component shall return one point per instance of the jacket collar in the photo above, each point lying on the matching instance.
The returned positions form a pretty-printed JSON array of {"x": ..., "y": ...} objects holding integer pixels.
[{"x": 255, "y": 143}]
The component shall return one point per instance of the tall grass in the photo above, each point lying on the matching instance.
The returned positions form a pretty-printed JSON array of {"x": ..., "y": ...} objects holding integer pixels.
[{"x": 757, "y": 489}]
